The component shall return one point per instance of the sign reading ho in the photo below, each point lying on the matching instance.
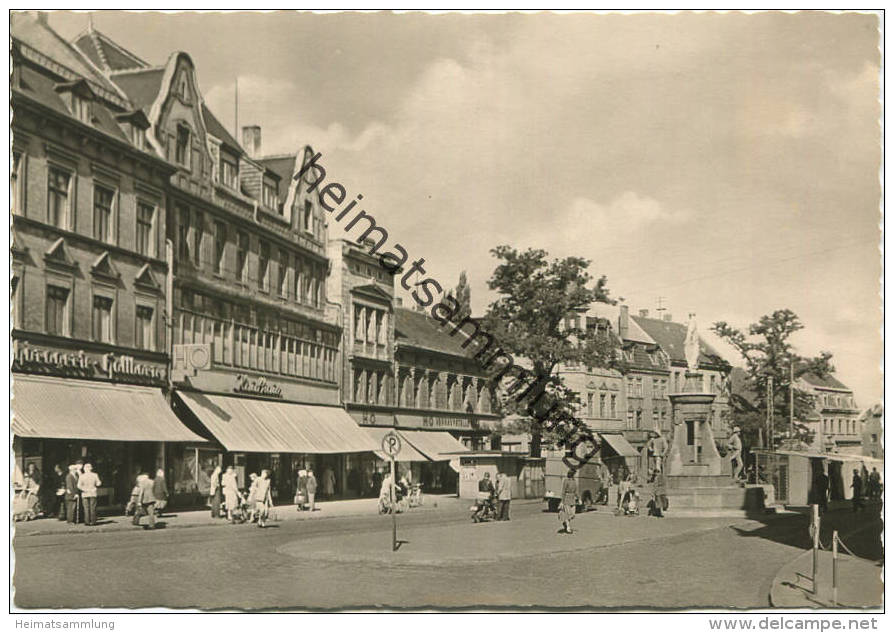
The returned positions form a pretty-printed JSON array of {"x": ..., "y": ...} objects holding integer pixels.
[
  {"x": 439, "y": 422},
  {"x": 81, "y": 364}
]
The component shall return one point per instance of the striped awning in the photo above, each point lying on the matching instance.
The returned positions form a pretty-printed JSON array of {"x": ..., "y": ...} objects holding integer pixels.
[
  {"x": 408, "y": 452},
  {"x": 433, "y": 443},
  {"x": 248, "y": 425},
  {"x": 66, "y": 408}
]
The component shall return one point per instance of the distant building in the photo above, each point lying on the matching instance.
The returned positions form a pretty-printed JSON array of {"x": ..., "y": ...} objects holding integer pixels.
[
  {"x": 872, "y": 432},
  {"x": 835, "y": 420}
]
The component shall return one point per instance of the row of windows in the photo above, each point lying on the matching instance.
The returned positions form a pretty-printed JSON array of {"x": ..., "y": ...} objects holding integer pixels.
[
  {"x": 457, "y": 393},
  {"x": 240, "y": 345},
  {"x": 61, "y": 185},
  {"x": 370, "y": 325},
  {"x": 839, "y": 426},
  {"x": 838, "y": 401},
  {"x": 103, "y": 318},
  {"x": 296, "y": 277},
  {"x": 608, "y": 405}
]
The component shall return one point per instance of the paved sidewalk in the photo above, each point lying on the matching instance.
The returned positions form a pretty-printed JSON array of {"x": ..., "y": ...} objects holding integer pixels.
[
  {"x": 859, "y": 583},
  {"x": 198, "y": 518},
  {"x": 859, "y": 577}
]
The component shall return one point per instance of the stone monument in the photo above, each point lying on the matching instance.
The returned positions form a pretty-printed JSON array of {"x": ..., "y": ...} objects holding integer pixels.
[{"x": 697, "y": 476}]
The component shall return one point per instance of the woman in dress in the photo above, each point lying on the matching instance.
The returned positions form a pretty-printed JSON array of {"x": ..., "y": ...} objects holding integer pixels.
[{"x": 230, "y": 492}]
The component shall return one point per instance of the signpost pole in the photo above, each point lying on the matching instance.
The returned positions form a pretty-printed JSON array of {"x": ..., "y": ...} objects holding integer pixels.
[{"x": 393, "y": 509}]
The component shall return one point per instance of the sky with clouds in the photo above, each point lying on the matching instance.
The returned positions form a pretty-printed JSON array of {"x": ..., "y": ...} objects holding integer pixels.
[{"x": 726, "y": 163}]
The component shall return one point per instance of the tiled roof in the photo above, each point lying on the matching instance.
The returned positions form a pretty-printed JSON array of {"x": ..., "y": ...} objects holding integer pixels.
[
  {"x": 42, "y": 89},
  {"x": 672, "y": 336},
  {"x": 141, "y": 86},
  {"x": 417, "y": 329},
  {"x": 216, "y": 128},
  {"x": 823, "y": 381},
  {"x": 41, "y": 37},
  {"x": 105, "y": 53}
]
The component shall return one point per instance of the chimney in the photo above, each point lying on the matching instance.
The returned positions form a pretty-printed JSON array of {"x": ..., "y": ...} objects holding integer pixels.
[
  {"x": 668, "y": 317},
  {"x": 624, "y": 323},
  {"x": 251, "y": 140},
  {"x": 644, "y": 314}
]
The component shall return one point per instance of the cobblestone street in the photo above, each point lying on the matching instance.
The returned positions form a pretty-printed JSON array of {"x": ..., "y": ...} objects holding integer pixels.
[{"x": 609, "y": 562}]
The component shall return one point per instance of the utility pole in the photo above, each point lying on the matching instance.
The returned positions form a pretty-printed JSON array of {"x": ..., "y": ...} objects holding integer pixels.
[
  {"x": 791, "y": 399},
  {"x": 770, "y": 412}
]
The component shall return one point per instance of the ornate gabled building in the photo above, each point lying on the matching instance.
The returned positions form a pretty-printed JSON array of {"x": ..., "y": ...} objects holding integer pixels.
[
  {"x": 253, "y": 336},
  {"x": 89, "y": 271}
]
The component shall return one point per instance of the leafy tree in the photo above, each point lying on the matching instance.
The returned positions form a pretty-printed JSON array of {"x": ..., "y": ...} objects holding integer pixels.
[
  {"x": 530, "y": 319},
  {"x": 463, "y": 294},
  {"x": 768, "y": 352}
]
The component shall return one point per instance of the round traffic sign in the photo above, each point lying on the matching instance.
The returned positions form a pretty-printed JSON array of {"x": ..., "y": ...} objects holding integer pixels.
[{"x": 391, "y": 444}]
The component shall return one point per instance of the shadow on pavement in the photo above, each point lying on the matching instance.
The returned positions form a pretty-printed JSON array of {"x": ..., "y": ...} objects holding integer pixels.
[{"x": 860, "y": 532}]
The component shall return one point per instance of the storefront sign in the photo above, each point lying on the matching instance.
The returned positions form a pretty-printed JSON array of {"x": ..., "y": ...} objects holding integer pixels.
[
  {"x": 81, "y": 364},
  {"x": 257, "y": 386},
  {"x": 439, "y": 422}
]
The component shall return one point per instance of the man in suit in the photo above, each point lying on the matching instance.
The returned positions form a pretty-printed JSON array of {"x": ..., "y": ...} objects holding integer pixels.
[
  {"x": 504, "y": 495},
  {"x": 72, "y": 494}
]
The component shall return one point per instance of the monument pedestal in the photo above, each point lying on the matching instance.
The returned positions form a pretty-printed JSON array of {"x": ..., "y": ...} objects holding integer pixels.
[{"x": 697, "y": 477}]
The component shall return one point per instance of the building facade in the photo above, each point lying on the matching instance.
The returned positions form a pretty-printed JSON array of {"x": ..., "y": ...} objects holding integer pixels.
[
  {"x": 253, "y": 337},
  {"x": 89, "y": 269},
  {"x": 835, "y": 421}
]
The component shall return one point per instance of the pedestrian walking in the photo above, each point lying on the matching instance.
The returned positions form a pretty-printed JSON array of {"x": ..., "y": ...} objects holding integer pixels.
[
  {"x": 658, "y": 504},
  {"x": 301, "y": 493},
  {"x": 504, "y": 495},
  {"x": 230, "y": 492},
  {"x": 160, "y": 492},
  {"x": 145, "y": 501},
  {"x": 263, "y": 497},
  {"x": 88, "y": 482},
  {"x": 328, "y": 482},
  {"x": 311, "y": 486},
  {"x": 59, "y": 482},
  {"x": 251, "y": 500},
  {"x": 72, "y": 494},
  {"x": 875, "y": 485},
  {"x": 857, "y": 485},
  {"x": 216, "y": 493},
  {"x": 568, "y": 507}
]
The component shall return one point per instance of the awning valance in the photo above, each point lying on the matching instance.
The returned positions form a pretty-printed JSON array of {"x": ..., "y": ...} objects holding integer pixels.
[
  {"x": 408, "y": 452},
  {"x": 248, "y": 425},
  {"x": 91, "y": 410},
  {"x": 620, "y": 445},
  {"x": 433, "y": 443}
]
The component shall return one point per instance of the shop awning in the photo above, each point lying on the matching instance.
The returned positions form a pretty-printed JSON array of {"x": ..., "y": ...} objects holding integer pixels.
[
  {"x": 89, "y": 410},
  {"x": 433, "y": 443},
  {"x": 620, "y": 445},
  {"x": 407, "y": 452},
  {"x": 247, "y": 425}
]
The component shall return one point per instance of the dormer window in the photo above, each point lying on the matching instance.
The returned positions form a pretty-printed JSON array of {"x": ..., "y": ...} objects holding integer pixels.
[
  {"x": 80, "y": 108},
  {"x": 229, "y": 172},
  {"x": 183, "y": 88},
  {"x": 78, "y": 97},
  {"x": 138, "y": 136},
  {"x": 269, "y": 195},
  {"x": 308, "y": 216},
  {"x": 181, "y": 147}
]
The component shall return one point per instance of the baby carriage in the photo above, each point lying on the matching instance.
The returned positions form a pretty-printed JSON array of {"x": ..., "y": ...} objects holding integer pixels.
[
  {"x": 25, "y": 506},
  {"x": 630, "y": 503}
]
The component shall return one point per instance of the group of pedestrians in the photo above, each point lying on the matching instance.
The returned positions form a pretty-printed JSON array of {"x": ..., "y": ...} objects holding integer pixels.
[
  {"x": 865, "y": 485},
  {"x": 148, "y": 498},
  {"x": 496, "y": 495},
  {"x": 252, "y": 504}
]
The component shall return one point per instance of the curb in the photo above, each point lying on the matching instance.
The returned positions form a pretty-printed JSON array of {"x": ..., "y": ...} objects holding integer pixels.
[{"x": 791, "y": 563}]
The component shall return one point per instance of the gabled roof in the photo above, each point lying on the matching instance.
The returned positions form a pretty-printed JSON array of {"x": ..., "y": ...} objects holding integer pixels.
[
  {"x": 613, "y": 314},
  {"x": 38, "y": 35},
  {"x": 216, "y": 128},
  {"x": 672, "y": 336},
  {"x": 105, "y": 53},
  {"x": 418, "y": 330},
  {"x": 828, "y": 381}
]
